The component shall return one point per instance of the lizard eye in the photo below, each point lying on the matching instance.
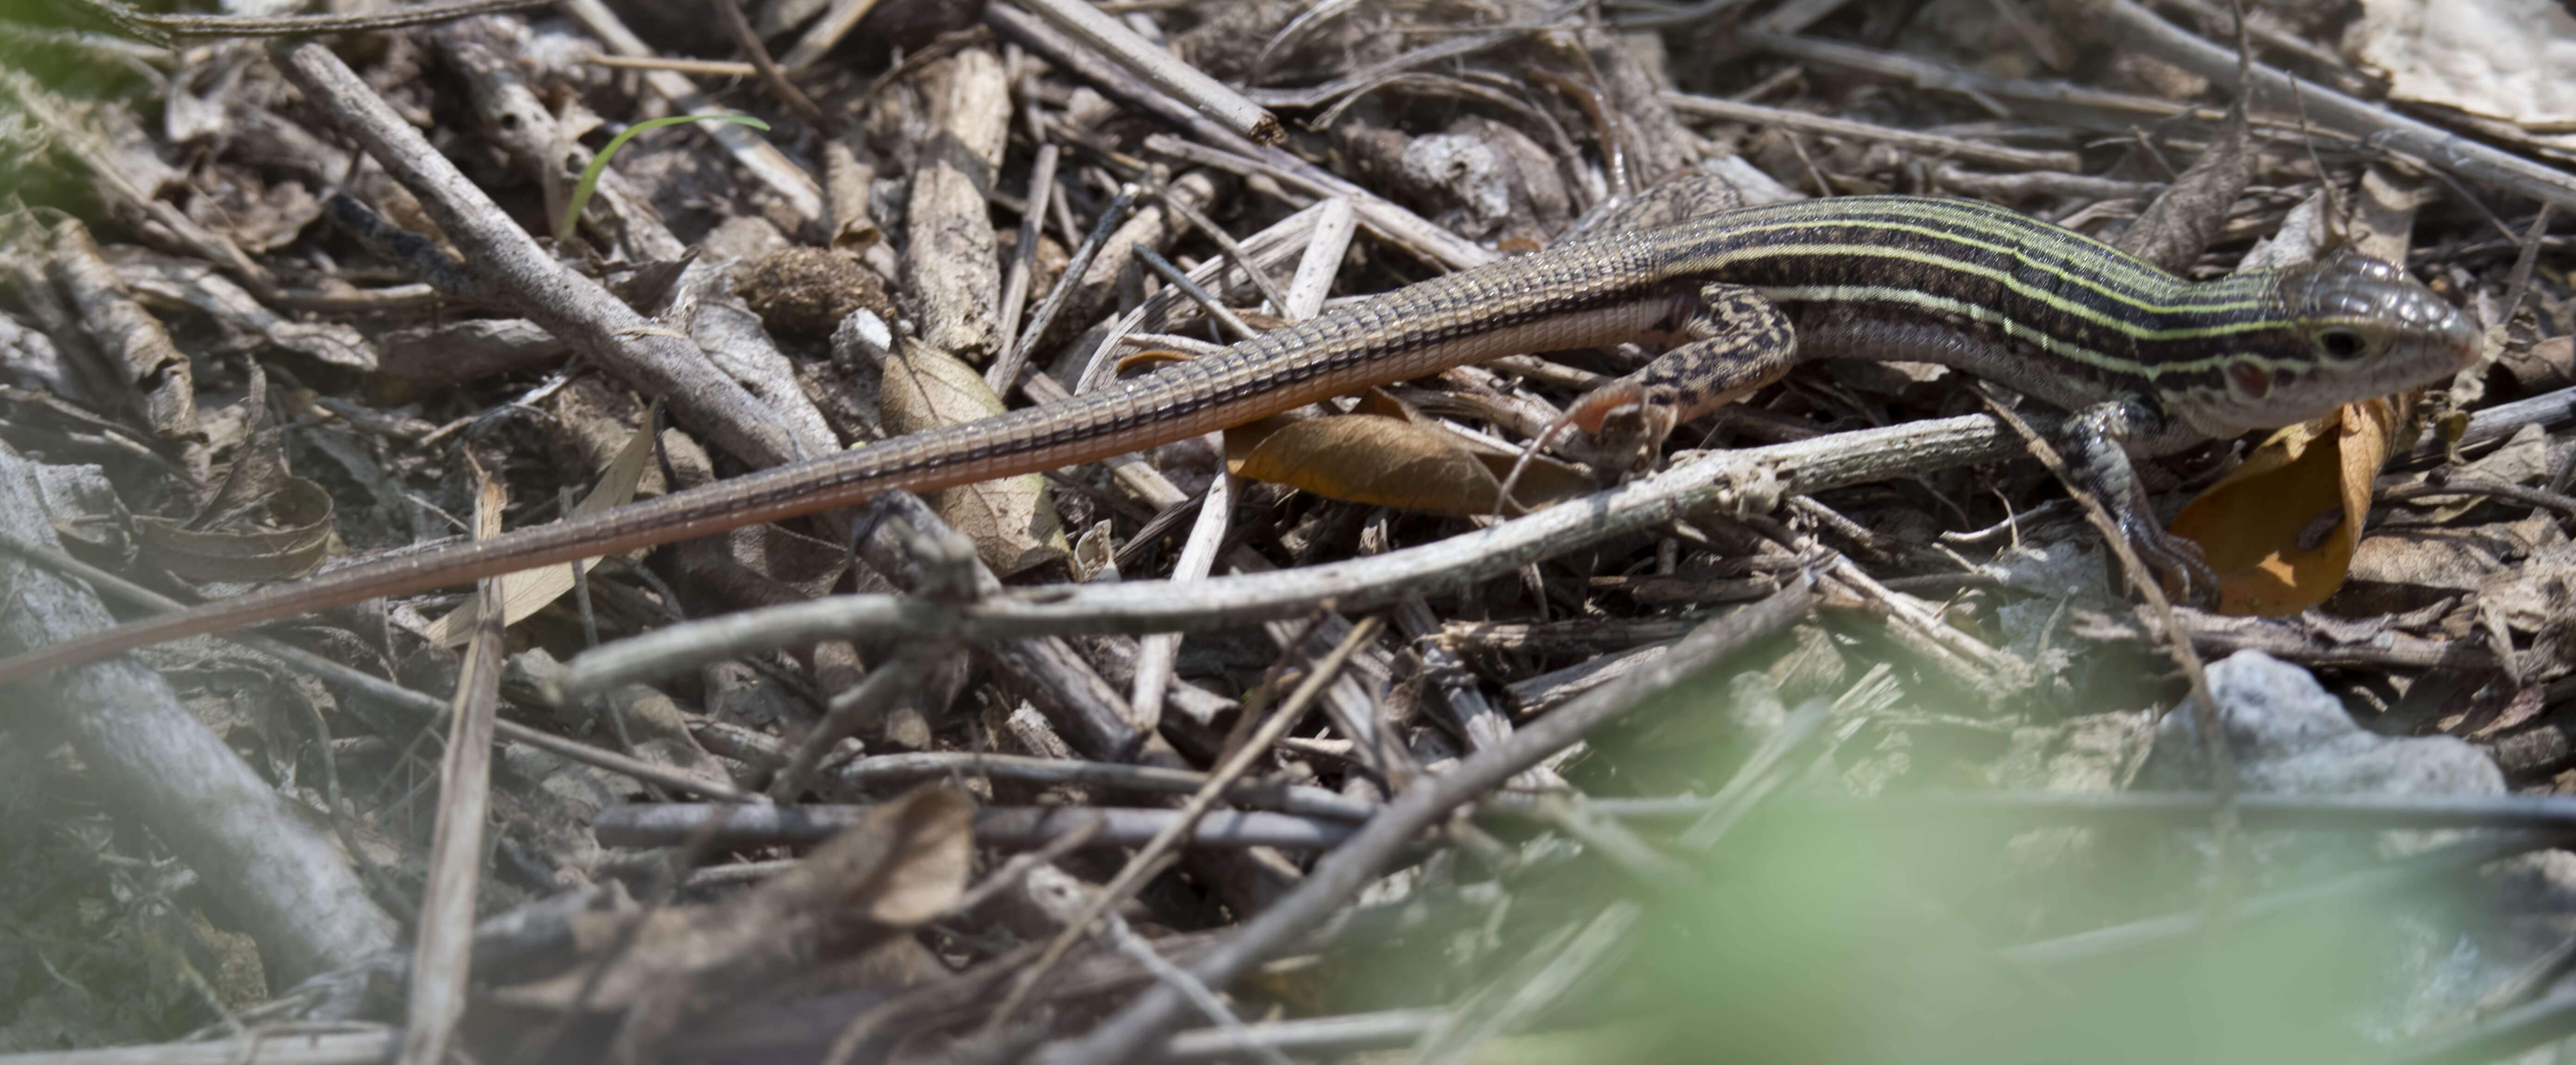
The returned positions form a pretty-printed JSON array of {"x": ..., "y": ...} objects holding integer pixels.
[{"x": 2342, "y": 345}]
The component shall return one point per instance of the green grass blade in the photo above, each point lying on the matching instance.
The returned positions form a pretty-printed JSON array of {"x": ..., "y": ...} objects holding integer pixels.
[{"x": 590, "y": 174}]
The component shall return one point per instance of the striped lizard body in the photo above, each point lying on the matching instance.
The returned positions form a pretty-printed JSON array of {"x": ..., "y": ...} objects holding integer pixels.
[{"x": 2148, "y": 361}]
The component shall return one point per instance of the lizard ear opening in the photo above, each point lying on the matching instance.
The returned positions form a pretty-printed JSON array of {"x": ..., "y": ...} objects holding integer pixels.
[{"x": 2251, "y": 381}]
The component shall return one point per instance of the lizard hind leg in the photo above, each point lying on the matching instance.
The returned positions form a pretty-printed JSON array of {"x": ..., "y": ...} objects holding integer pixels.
[{"x": 1737, "y": 341}]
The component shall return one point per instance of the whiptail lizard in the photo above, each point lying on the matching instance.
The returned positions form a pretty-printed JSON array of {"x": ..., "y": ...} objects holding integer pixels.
[{"x": 2147, "y": 362}]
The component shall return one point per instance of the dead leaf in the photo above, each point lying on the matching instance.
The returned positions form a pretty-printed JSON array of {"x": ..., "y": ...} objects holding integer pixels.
[
  {"x": 2281, "y": 530},
  {"x": 2524, "y": 459},
  {"x": 2536, "y": 592},
  {"x": 2546, "y": 365},
  {"x": 2403, "y": 569},
  {"x": 527, "y": 592},
  {"x": 232, "y": 201},
  {"x": 262, "y": 523},
  {"x": 1148, "y": 360},
  {"x": 2486, "y": 57},
  {"x": 297, "y": 537},
  {"x": 1392, "y": 462},
  {"x": 1012, "y": 522},
  {"x": 905, "y": 863}
]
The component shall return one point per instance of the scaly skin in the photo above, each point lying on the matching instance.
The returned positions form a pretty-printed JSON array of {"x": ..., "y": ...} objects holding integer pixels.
[{"x": 2154, "y": 360}]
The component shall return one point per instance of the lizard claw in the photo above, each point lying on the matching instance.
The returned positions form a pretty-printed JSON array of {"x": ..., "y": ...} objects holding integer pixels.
[{"x": 2195, "y": 583}]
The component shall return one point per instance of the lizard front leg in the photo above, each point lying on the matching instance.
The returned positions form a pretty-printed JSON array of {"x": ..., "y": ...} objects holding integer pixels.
[{"x": 2096, "y": 440}]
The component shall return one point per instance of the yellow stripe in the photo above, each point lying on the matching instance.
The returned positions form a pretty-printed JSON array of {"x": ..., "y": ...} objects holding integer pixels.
[
  {"x": 2072, "y": 308},
  {"x": 2011, "y": 232},
  {"x": 2012, "y": 229},
  {"x": 2012, "y": 327},
  {"x": 1760, "y": 251}
]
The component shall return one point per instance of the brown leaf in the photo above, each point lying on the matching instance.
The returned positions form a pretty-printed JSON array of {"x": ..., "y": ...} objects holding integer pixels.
[
  {"x": 1391, "y": 462},
  {"x": 260, "y": 523},
  {"x": 2402, "y": 569},
  {"x": 1013, "y": 524},
  {"x": 2281, "y": 530},
  {"x": 2179, "y": 224},
  {"x": 1148, "y": 360}
]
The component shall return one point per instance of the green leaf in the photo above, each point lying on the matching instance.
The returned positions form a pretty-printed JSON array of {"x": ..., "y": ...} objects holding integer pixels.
[{"x": 590, "y": 174}]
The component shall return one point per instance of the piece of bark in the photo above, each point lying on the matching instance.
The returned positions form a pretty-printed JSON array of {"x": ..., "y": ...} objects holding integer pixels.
[
  {"x": 952, "y": 270},
  {"x": 130, "y": 336}
]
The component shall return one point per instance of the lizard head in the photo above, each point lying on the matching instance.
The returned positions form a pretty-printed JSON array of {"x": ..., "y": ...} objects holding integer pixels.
[{"x": 2349, "y": 327}]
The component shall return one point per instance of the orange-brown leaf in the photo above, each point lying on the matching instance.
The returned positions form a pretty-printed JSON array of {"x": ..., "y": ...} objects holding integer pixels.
[
  {"x": 2281, "y": 530},
  {"x": 1384, "y": 461}
]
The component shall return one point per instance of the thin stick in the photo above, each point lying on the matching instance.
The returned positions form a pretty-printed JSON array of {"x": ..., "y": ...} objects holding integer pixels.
[
  {"x": 729, "y": 12},
  {"x": 720, "y": 68},
  {"x": 430, "y": 708},
  {"x": 1732, "y": 479},
  {"x": 1157, "y": 654},
  {"x": 1928, "y": 143},
  {"x": 2206, "y": 720},
  {"x": 1344, "y": 872},
  {"x": 2136, "y": 28},
  {"x": 445, "y": 943},
  {"x": 827, "y": 31},
  {"x": 1207, "y": 301},
  {"x": 1005, "y": 371},
  {"x": 1159, "y": 68},
  {"x": 1226, "y": 243},
  {"x": 1133, "y": 876},
  {"x": 160, "y": 28},
  {"x": 1024, "y": 264}
]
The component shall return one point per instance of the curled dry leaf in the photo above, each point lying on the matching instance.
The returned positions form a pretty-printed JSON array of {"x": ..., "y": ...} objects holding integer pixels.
[
  {"x": 156, "y": 277},
  {"x": 1394, "y": 459},
  {"x": 1011, "y": 520},
  {"x": 2281, "y": 530},
  {"x": 526, "y": 593},
  {"x": 261, "y": 522},
  {"x": 296, "y": 539}
]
